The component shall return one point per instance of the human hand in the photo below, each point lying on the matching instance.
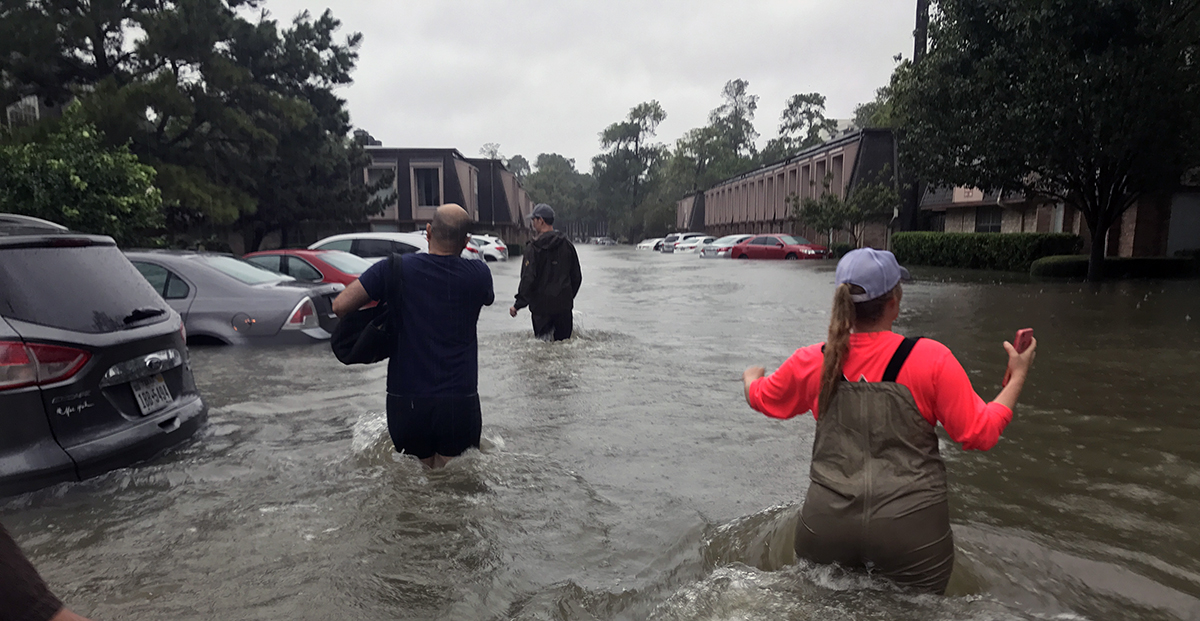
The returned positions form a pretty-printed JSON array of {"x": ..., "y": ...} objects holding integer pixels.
[
  {"x": 1018, "y": 363},
  {"x": 512, "y": 311},
  {"x": 753, "y": 373}
]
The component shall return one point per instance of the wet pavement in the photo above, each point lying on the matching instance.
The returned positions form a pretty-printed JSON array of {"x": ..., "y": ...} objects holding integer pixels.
[{"x": 623, "y": 476}]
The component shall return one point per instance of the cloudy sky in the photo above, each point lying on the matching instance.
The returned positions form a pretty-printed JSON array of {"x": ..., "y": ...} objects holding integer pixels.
[{"x": 541, "y": 76}]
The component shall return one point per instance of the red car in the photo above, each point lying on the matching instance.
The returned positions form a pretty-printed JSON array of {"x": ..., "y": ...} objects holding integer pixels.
[
  {"x": 312, "y": 265},
  {"x": 778, "y": 246}
]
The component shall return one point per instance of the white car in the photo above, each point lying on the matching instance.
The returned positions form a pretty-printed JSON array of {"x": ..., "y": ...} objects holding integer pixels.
[
  {"x": 490, "y": 247},
  {"x": 649, "y": 244},
  {"x": 721, "y": 248},
  {"x": 602, "y": 241},
  {"x": 692, "y": 244},
  {"x": 377, "y": 245},
  {"x": 668, "y": 245}
]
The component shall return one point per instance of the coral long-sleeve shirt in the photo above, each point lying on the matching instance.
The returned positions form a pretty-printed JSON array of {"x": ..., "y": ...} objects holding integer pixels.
[{"x": 937, "y": 381}]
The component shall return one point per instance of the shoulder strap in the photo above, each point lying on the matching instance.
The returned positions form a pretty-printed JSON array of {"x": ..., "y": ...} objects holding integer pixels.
[{"x": 893, "y": 368}]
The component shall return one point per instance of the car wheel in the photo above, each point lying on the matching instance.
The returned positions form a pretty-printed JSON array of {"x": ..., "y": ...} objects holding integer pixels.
[
  {"x": 745, "y": 256},
  {"x": 791, "y": 256}
]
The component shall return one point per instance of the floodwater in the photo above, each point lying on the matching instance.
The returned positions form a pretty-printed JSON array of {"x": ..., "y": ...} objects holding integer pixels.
[{"x": 623, "y": 476}]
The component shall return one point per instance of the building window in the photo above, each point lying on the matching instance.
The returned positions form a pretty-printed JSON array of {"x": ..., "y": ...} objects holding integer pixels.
[
  {"x": 988, "y": 219},
  {"x": 427, "y": 186}
]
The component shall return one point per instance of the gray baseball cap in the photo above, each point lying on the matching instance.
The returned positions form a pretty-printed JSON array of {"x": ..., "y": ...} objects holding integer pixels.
[
  {"x": 876, "y": 271},
  {"x": 543, "y": 211}
]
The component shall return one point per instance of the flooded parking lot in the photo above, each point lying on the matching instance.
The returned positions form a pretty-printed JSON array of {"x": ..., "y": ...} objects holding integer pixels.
[{"x": 623, "y": 476}]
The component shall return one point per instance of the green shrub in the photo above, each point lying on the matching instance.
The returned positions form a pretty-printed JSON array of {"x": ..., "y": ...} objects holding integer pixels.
[
  {"x": 1076, "y": 266},
  {"x": 838, "y": 249},
  {"x": 1013, "y": 252}
]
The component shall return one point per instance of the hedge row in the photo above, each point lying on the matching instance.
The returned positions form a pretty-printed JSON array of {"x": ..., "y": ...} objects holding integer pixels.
[
  {"x": 1013, "y": 252},
  {"x": 1076, "y": 266}
]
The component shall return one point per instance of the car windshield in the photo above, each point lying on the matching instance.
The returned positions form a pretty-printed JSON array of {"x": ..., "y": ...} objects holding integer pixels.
[
  {"x": 794, "y": 241},
  {"x": 346, "y": 262},
  {"x": 243, "y": 271},
  {"x": 670, "y": 238}
]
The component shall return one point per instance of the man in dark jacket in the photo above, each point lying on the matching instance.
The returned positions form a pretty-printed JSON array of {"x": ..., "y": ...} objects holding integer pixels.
[{"x": 550, "y": 278}]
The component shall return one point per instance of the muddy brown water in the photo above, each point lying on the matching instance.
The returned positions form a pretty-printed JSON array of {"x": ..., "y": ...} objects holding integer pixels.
[{"x": 623, "y": 477}]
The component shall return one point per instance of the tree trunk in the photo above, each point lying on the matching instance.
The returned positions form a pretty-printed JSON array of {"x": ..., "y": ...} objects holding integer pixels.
[
  {"x": 1095, "y": 272},
  {"x": 921, "y": 33}
]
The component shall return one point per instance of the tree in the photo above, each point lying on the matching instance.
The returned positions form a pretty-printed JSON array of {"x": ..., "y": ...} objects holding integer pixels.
[
  {"x": 491, "y": 151},
  {"x": 802, "y": 125},
  {"x": 569, "y": 192},
  {"x": 236, "y": 114},
  {"x": 866, "y": 203},
  {"x": 71, "y": 177},
  {"x": 733, "y": 120},
  {"x": 1089, "y": 104},
  {"x": 518, "y": 166},
  {"x": 877, "y": 113},
  {"x": 624, "y": 170}
]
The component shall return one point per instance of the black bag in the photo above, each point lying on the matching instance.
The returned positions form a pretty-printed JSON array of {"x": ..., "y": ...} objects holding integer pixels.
[{"x": 368, "y": 335}]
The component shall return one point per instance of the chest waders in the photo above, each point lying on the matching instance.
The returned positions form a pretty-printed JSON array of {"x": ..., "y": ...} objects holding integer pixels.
[{"x": 877, "y": 493}]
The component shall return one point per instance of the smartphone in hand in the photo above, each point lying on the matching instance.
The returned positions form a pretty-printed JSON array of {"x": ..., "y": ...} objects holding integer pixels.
[{"x": 1023, "y": 340}]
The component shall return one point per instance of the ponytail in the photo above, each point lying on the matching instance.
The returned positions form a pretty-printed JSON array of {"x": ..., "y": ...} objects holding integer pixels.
[{"x": 837, "y": 346}]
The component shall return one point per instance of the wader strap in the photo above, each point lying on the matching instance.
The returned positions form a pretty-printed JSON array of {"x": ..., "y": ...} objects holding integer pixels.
[{"x": 902, "y": 352}]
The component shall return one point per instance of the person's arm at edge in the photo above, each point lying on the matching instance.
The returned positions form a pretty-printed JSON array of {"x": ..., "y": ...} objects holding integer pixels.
[
  {"x": 350, "y": 299},
  {"x": 968, "y": 420},
  {"x": 781, "y": 394},
  {"x": 366, "y": 288},
  {"x": 576, "y": 272},
  {"x": 489, "y": 295},
  {"x": 528, "y": 276},
  {"x": 22, "y": 586}
]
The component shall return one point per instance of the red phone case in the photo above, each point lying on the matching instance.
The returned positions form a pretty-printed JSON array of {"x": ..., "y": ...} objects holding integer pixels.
[{"x": 1023, "y": 340}]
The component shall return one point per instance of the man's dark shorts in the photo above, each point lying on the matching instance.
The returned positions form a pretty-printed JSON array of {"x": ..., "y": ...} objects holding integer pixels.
[
  {"x": 556, "y": 327},
  {"x": 424, "y": 426}
]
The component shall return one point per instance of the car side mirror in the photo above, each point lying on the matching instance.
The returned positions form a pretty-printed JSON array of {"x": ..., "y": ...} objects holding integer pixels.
[{"x": 779, "y": 244}]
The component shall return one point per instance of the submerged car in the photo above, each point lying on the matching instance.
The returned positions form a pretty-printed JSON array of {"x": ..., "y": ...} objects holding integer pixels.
[
  {"x": 490, "y": 247},
  {"x": 650, "y": 244},
  {"x": 94, "y": 371},
  {"x": 329, "y": 266},
  {"x": 692, "y": 244},
  {"x": 668, "y": 243},
  {"x": 778, "y": 246},
  {"x": 722, "y": 247},
  {"x": 225, "y": 300},
  {"x": 377, "y": 245}
]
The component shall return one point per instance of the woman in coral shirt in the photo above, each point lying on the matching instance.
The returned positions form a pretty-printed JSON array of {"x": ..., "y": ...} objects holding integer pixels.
[{"x": 877, "y": 493}]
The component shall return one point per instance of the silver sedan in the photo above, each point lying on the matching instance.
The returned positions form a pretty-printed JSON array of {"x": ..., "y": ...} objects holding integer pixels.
[{"x": 226, "y": 300}]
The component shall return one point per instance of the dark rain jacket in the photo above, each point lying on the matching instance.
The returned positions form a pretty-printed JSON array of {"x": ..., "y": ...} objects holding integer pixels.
[{"x": 550, "y": 275}]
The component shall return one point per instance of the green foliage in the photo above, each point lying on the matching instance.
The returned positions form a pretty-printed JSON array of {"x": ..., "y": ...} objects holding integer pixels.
[
  {"x": 802, "y": 125},
  {"x": 1013, "y": 252},
  {"x": 625, "y": 174},
  {"x": 235, "y": 112},
  {"x": 876, "y": 114},
  {"x": 1087, "y": 103},
  {"x": 1076, "y": 266},
  {"x": 518, "y": 166},
  {"x": 558, "y": 184},
  {"x": 866, "y": 203},
  {"x": 71, "y": 177},
  {"x": 839, "y": 249}
]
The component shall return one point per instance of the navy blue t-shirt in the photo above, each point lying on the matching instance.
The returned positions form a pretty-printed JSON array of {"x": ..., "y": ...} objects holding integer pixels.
[{"x": 437, "y": 351}]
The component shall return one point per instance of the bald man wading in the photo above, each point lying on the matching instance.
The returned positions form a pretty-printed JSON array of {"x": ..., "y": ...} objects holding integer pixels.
[{"x": 433, "y": 373}]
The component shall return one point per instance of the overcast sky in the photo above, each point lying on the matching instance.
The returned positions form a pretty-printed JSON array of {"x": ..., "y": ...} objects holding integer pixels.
[{"x": 540, "y": 76}]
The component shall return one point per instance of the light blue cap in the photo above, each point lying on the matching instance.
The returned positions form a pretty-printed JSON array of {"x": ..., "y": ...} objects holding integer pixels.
[{"x": 876, "y": 271}]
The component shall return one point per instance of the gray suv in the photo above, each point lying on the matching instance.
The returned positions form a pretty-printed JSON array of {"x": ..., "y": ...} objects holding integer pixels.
[{"x": 94, "y": 371}]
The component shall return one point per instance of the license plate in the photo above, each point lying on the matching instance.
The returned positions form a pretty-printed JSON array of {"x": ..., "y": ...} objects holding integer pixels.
[{"x": 151, "y": 393}]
